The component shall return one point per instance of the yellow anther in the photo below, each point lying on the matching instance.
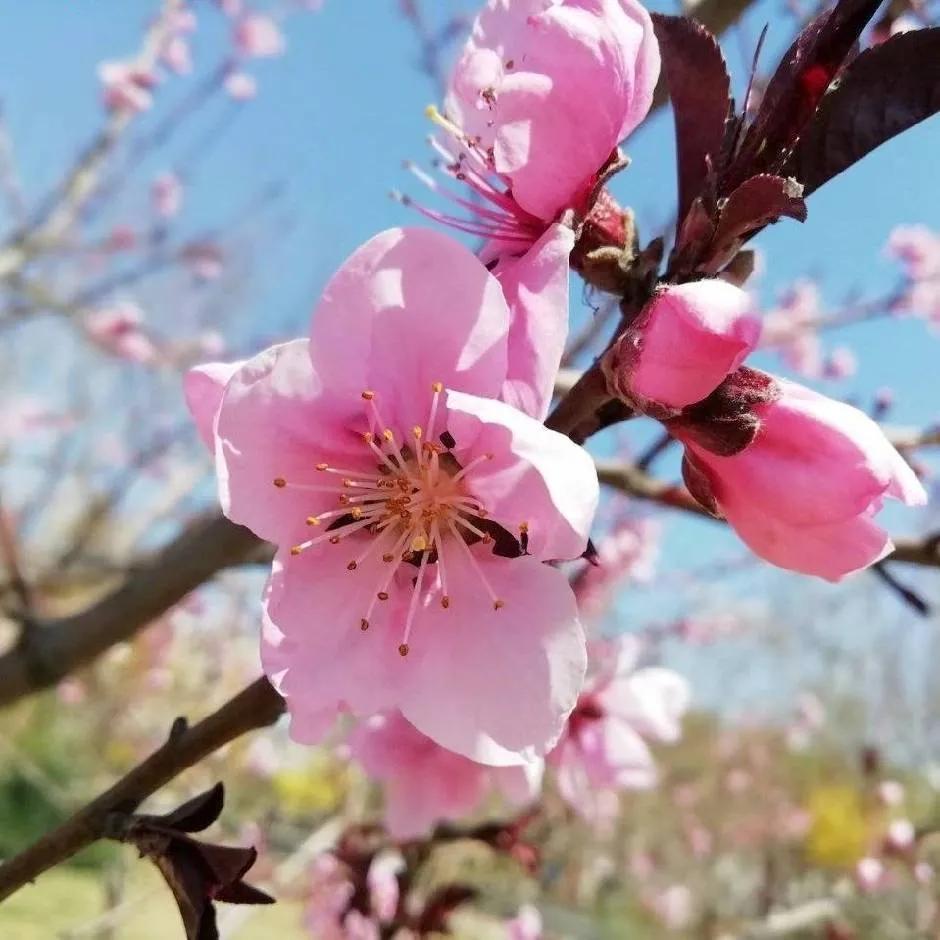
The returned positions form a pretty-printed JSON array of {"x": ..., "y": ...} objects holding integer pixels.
[
  {"x": 497, "y": 604},
  {"x": 352, "y": 566},
  {"x": 445, "y": 602},
  {"x": 437, "y": 387},
  {"x": 403, "y": 649},
  {"x": 523, "y": 527},
  {"x": 312, "y": 520},
  {"x": 416, "y": 432},
  {"x": 419, "y": 543},
  {"x": 368, "y": 395},
  {"x": 368, "y": 437},
  {"x": 356, "y": 512},
  {"x": 280, "y": 482},
  {"x": 296, "y": 550},
  {"x": 363, "y": 624},
  {"x": 388, "y": 435},
  {"x": 323, "y": 466}
]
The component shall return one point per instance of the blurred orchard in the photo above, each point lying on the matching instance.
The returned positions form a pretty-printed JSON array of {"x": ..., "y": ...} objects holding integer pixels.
[{"x": 753, "y": 752}]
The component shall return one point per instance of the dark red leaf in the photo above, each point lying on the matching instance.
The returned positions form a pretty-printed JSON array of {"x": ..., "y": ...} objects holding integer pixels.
[
  {"x": 885, "y": 91},
  {"x": 198, "y": 813},
  {"x": 794, "y": 91},
  {"x": 693, "y": 238},
  {"x": 755, "y": 203},
  {"x": 700, "y": 92},
  {"x": 241, "y": 893}
]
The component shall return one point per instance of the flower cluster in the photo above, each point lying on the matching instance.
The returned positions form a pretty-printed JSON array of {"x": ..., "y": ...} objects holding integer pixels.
[{"x": 398, "y": 460}]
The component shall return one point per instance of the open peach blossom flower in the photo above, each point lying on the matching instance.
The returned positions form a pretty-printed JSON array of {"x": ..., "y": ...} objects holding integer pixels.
[
  {"x": 603, "y": 749},
  {"x": 423, "y": 783},
  {"x": 538, "y": 102},
  {"x": 413, "y": 509}
]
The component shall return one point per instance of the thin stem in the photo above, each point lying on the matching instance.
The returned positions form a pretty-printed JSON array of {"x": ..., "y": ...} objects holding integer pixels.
[{"x": 256, "y": 706}]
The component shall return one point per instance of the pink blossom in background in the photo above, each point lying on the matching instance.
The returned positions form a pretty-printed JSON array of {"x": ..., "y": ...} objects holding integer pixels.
[
  {"x": 790, "y": 328},
  {"x": 917, "y": 248},
  {"x": 231, "y": 7},
  {"x": 901, "y": 835},
  {"x": 424, "y": 784},
  {"x": 803, "y": 494},
  {"x": 241, "y": 86},
  {"x": 177, "y": 56},
  {"x": 891, "y": 792},
  {"x": 674, "y": 906},
  {"x": 707, "y": 628},
  {"x": 119, "y": 330},
  {"x": 603, "y": 748},
  {"x": 167, "y": 195},
  {"x": 526, "y": 925},
  {"x": 121, "y": 238},
  {"x": 126, "y": 87},
  {"x": 683, "y": 344},
  {"x": 840, "y": 364},
  {"x": 522, "y": 139},
  {"x": 871, "y": 875},
  {"x": 258, "y": 36},
  {"x": 333, "y": 449},
  {"x": 204, "y": 259},
  {"x": 628, "y": 552},
  {"x": 330, "y": 914}
]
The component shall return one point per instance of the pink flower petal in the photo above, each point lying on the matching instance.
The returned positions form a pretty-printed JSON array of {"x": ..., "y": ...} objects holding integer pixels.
[
  {"x": 536, "y": 478},
  {"x": 520, "y": 667},
  {"x": 536, "y": 288},
  {"x": 277, "y": 421},
  {"x": 203, "y": 387},
  {"x": 410, "y": 308}
]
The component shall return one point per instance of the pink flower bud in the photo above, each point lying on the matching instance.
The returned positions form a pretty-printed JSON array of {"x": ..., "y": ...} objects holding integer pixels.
[
  {"x": 167, "y": 195},
  {"x": 802, "y": 492},
  {"x": 683, "y": 344},
  {"x": 258, "y": 37}
]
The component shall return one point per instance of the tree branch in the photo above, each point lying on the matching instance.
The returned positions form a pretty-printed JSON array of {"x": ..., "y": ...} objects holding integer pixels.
[
  {"x": 256, "y": 706},
  {"x": 56, "y": 648}
]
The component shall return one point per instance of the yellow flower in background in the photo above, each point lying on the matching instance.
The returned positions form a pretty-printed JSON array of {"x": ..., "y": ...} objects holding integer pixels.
[
  {"x": 316, "y": 788},
  {"x": 840, "y": 830}
]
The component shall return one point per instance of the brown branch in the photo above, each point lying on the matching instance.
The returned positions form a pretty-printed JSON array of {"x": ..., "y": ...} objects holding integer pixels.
[
  {"x": 256, "y": 706},
  {"x": 56, "y": 648}
]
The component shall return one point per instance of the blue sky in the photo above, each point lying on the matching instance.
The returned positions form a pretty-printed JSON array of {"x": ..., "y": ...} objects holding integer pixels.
[{"x": 337, "y": 115}]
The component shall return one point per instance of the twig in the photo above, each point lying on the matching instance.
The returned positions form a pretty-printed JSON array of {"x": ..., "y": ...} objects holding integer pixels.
[
  {"x": 59, "y": 647},
  {"x": 256, "y": 706}
]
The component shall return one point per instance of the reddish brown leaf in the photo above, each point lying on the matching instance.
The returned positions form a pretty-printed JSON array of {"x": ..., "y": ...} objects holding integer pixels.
[
  {"x": 196, "y": 814},
  {"x": 755, "y": 203},
  {"x": 700, "y": 92},
  {"x": 885, "y": 91},
  {"x": 798, "y": 84}
]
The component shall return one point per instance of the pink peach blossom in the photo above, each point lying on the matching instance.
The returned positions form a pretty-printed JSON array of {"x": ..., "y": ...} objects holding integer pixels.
[
  {"x": 840, "y": 364},
  {"x": 121, "y": 238},
  {"x": 901, "y": 835},
  {"x": 384, "y": 435},
  {"x": 683, "y": 344},
  {"x": 673, "y": 906},
  {"x": 119, "y": 330},
  {"x": 177, "y": 56},
  {"x": 424, "y": 784},
  {"x": 918, "y": 249},
  {"x": 167, "y": 195},
  {"x": 542, "y": 95},
  {"x": 603, "y": 749},
  {"x": 126, "y": 87},
  {"x": 628, "y": 552},
  {"x": 526, "y": 925},
  {"x": 204, "y": 259},
  {"x": 241, "y": 86},
  {"x": 804, "y": 492},
  {"x": 790, "y": 328},
  {"x": 258, "y": 37},
  {"x": 871, "y": 875},
  {"x": 891, "y": 792}
]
